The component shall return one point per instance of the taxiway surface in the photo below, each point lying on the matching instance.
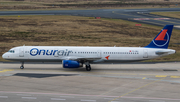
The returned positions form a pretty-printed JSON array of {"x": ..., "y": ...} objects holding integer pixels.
[
  {"x": 137, "y": 82},
  {"x": 136, "y": 15}
]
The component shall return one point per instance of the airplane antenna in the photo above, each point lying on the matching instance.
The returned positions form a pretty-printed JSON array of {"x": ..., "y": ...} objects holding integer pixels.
[
  {"x": 24, "y": 45},
  {"x": 114, "y": 45}
]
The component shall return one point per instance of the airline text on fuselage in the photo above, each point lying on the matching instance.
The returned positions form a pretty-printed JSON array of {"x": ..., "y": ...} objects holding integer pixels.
[{"x": 35, "y": 51}]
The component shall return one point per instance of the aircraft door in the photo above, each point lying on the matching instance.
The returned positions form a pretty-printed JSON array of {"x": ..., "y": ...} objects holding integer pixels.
[
  {"x": 98, "y": 53},
  {"x": 21, "y": 52},
  {"x": 145, "y": 54}
]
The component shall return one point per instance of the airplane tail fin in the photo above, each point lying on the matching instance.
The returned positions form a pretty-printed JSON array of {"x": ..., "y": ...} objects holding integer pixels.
[{"x": 162, "y": 39}]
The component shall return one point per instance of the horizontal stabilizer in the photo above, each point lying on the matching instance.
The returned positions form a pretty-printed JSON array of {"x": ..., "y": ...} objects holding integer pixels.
[{"x": 161, "y": 52}]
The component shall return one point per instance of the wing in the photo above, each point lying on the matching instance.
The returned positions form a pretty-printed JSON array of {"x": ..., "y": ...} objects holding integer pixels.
[{"x": 76, "y": 58}]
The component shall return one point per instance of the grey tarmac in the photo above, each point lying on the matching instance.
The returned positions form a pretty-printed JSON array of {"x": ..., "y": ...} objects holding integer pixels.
[
  {"x": 130, "y": 82},
  {"x": 135, "y": 15}
]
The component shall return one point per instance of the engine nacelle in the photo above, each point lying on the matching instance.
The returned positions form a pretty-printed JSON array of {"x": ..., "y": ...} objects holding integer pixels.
[{"x": 71, "y": 64}]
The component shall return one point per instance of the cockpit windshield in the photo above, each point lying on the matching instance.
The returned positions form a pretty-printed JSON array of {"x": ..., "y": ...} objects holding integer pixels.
[{"x": 11, "y": 51}]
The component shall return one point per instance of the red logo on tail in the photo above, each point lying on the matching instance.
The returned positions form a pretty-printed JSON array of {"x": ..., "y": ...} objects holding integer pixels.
[{"x": 162, "y": 35}]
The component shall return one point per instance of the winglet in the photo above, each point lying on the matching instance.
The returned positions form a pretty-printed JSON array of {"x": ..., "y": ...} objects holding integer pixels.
[{"x": 162, "y": 39}]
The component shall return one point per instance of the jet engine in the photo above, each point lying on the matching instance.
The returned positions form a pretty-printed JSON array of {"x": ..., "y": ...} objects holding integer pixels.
[{"x": 71, "y": 64}]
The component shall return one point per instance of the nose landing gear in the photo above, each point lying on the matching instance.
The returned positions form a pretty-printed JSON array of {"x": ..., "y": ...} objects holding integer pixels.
[{"x": 22, "y": 65}]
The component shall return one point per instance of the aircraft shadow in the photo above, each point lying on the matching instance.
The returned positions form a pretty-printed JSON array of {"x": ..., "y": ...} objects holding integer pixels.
[{"x": 40, "y": 75}]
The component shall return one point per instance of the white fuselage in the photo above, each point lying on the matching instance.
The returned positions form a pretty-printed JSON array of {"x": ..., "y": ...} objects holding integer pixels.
[{"x": 106, "y": 54}]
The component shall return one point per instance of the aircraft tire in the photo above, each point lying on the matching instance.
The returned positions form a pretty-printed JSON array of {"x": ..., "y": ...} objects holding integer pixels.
[
  {"x": 21, "y": 67},
  {"x": 88, "y": 68}
]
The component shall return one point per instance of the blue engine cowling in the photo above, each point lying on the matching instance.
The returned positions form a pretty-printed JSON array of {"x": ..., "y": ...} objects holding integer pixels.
[{"x": 71, "y": 64}]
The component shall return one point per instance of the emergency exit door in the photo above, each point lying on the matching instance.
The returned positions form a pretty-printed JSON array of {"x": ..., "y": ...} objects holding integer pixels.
[{"x": 99, "y": 53}]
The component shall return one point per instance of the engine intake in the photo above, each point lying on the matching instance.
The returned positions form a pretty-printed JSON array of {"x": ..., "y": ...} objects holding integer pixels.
[{"x": 71, "y": 64}]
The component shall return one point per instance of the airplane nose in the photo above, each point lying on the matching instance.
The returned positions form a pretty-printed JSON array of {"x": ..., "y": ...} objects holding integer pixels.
[{"x": 4, "y": 55}]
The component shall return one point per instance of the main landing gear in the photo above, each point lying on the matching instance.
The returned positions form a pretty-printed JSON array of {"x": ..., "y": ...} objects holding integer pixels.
[
  {"x": 22, "y": 65},
  {"x": 88, "y": 66}
]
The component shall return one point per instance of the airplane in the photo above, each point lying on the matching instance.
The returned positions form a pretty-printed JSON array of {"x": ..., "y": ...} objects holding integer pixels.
[{"x": 76, "y": 57}]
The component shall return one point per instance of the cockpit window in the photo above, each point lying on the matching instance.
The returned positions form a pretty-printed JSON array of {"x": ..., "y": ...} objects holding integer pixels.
[{"x": 11, "y": 51}]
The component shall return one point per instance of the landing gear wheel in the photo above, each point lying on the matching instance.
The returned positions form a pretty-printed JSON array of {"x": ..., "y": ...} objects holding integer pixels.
[
  {"x": 21, "y": 67},
  {"x": 88, "y": 67}
]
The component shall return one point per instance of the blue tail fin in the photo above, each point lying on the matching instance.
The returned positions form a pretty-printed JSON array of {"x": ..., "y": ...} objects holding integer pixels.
[{"x": 162, "y": 39}]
